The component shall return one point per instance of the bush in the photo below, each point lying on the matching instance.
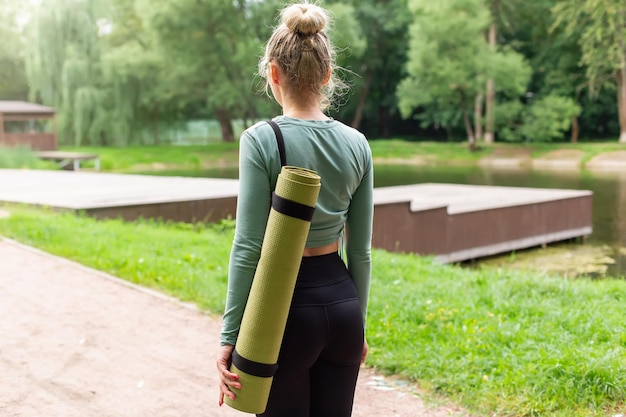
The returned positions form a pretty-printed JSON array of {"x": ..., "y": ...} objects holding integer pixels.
[
  {"x": 19, "y": 158},
  {"x": 549, "y": 118},
  {"x": 508, "y": 116}
]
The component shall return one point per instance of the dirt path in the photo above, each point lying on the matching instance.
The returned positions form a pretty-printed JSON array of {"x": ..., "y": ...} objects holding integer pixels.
[{"x": 76, "y": 342}]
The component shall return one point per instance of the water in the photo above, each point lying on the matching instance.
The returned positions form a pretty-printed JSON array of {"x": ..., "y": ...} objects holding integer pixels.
[{"x": 609, "y": 193}]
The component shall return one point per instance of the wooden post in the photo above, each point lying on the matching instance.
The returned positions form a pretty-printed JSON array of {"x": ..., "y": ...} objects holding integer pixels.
[
  {"x": 1, "y": 129},
  {"x": 54, "y": 132}
]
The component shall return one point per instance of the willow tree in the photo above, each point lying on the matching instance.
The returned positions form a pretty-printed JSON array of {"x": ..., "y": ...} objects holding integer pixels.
[
  {"x": 602, "y": 24},
  {"x": 138, "y": 75},
  {"x": 64, "y": 68},
  {"x": 13, "y": 85}
]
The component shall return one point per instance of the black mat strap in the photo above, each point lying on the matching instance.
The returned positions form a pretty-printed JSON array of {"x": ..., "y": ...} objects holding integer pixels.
[
  {"x": 280, "y": 141},
  {"x": 261, "y": 370},
  {"x": 292, "y": 208}
]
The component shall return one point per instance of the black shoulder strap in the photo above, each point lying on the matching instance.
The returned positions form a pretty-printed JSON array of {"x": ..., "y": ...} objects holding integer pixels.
[{"x": 280, "y": 141}]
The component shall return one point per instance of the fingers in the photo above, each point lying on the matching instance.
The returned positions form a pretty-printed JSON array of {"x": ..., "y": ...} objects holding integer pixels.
[
  {"x": 225, "y": 386},
  {"x": 228, "y": 379}
]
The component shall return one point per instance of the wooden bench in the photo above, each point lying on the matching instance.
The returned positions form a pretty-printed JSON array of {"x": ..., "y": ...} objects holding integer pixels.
[{"x": 69, "y": 159}]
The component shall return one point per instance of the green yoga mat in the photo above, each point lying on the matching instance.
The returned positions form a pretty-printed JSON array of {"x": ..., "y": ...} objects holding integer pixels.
[{"x": 265, "y": 315}]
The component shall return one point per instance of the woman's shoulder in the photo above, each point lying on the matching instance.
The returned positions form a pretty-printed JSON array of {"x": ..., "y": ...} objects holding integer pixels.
[
  {"x": 351, "y": 132},
  {"x": 356, "y": 137},
  {"x": 259, "y": 135},
  {"x": 261, "y": 128}
]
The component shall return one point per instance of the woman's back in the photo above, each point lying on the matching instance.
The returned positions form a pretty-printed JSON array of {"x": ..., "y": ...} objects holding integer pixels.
[{"x": 338, "y": 153}]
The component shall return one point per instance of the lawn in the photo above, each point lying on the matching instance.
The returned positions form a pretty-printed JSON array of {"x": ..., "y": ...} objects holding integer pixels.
[{"x": 497, "y": 342}]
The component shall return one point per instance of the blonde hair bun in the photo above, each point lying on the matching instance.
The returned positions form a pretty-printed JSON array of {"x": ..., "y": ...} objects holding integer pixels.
[{"x": 306, "y": 19}]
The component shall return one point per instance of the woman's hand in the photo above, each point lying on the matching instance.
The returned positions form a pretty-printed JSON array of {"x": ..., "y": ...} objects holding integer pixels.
[
  {"x": 227, "y": 378},
  {"x": 364, "y": 353}
]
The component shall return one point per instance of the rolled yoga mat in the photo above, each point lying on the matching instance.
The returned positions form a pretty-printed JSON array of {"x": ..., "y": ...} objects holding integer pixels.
[{"x": 265, "y": 315}]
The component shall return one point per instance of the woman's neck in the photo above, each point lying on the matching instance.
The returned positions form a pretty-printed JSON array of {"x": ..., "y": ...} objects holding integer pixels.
[{"x": 304, "y": 112}]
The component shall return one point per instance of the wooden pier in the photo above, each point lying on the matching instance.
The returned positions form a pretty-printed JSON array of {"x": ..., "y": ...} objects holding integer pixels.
[
  {"x": 448, "y": 221},
  {"x": 459, "y": 222},
  {"x": 127, "y": 196}
]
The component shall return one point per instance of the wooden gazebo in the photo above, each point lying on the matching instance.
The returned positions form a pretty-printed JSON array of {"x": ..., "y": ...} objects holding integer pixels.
[{"x": 22, "y": 131}]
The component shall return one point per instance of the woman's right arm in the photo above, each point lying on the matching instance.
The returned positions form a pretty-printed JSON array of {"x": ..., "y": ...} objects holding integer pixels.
[{"x": 359, "y": 230}]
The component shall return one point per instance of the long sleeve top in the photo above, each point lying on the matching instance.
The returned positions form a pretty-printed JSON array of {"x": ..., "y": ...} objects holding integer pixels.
[{"x": 342, "y": 157}]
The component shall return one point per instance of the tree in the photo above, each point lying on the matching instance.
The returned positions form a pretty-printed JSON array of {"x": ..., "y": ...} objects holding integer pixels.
[
  {"x": 13, "y": 84},
  {"x": 383, "y": 25},
  {"x": 500, "y": 12},
  {"x": 602, "y": 24},
  {"x": 212, "y": 48},
  {"x": 138, "y": 74},
  {"x": 449, "y": 61},
  {"x": 348, "y": 39},
  {"x": 64, "y": 68}
]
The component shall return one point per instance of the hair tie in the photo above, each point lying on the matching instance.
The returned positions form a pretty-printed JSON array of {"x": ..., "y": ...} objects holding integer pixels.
[{"x": 307, "y": 45}]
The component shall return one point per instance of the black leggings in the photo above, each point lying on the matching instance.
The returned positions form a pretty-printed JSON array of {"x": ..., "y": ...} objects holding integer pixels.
[{"x": 321, "y": 351}]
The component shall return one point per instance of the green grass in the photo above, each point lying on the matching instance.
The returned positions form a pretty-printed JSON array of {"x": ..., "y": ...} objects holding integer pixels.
[
  {"x": 590, "y": 149},
  {"x": 497, "y": 342},
  {"x": 184, "y": 260},
  {"x": 146, "y": 158},
  {"x": 433, "y": 152},
  {"x": 20, "y": 158},
  {"x": 173, "y": 157}
]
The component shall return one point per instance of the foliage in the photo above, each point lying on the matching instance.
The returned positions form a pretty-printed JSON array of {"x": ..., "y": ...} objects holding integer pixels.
[
  {"x": 213, "y": 49},
  {"x": 21, "y": 158},
  {"x": 509, "y": 120},
  {"x": 120, "y": 68},
  {"x": 544, "y": 120},
  {"x": 450, "y": 61},
  {"x": 13, "y": 85},
  {"x": 548, "y": 118},
  {"x": 65, "y": 71},
  {"x": 600, "y": 26},
  {"x": 603, "y": 30},
  {"x": 378, "y": 69},
  {"x": 513, "y": 344}
]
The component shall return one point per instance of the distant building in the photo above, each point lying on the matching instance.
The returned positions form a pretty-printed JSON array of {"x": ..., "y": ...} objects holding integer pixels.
[{"x": 27, "y": 125}]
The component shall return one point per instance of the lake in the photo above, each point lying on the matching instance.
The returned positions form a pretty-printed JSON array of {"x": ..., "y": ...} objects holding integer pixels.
[{"x": 607, "y": 243}]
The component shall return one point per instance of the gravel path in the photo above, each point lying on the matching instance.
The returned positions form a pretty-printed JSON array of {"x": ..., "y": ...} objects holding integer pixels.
[{"x": 76, "y": 342}]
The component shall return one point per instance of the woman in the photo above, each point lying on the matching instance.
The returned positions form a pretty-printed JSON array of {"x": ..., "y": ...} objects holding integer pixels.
[{"x": 324, "y": 341}]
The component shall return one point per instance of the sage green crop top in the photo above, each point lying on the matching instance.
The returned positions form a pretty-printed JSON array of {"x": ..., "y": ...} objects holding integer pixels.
[{"x": 343, "y": 159}]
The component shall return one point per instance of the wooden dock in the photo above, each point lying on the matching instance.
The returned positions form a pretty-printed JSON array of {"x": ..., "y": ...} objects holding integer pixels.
[
  {"x": 459, "y": 222},
  {"x": 448, "y": 221},
  {"x": 127, "y": 196}
]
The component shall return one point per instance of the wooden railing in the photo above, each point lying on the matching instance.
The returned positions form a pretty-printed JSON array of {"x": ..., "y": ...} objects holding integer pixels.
[{"x": 34, "y": 141}]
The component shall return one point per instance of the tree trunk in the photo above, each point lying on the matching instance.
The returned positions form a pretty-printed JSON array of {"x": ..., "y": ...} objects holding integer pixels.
[
  {"x": 575, "y": 130},
  {"x": 621, "y": 101},
  {"x": 223, "y": 117},
  {"x": 471, "y": 139},
  {"x": 358, "y": 114},
  {"x": 478, "y": 114},
  {"x": 155, "y": 121},
  {"x": 491, "y": 95},
  {"x": 384, "y": 126}
]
